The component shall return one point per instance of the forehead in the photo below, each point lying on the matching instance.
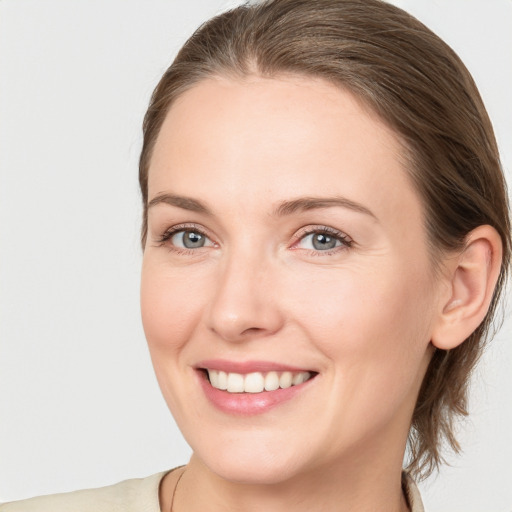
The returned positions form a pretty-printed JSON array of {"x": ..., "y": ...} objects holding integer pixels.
[
  {"x": 286, "y": 136},
  {"x": 257, "y": 102}
]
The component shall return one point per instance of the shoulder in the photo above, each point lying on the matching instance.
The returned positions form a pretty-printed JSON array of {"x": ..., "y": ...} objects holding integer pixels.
[{"x": 136, "y": 495}]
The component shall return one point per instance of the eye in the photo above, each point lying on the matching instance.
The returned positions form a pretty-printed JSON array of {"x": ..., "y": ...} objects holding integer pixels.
[
  {"x": 186, "y": 238},
  {"x": 322, "y": 240},
  {"x": 189, "y": 239}
]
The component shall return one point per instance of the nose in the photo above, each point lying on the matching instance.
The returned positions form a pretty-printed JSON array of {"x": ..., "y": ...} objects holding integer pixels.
[{"x": 244, "y": 305}]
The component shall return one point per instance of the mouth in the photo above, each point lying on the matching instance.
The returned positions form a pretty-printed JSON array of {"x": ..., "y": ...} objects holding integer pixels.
[
  {"x": 256, "y": 382},
  {"x": 252, "y": 387}
]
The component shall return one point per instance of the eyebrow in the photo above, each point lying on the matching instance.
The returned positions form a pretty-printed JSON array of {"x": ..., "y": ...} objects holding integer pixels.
[
  {"x": 186, "y": 203},
  {"x": 285, "y": 208},
  {"x": 313, "y": 203}
]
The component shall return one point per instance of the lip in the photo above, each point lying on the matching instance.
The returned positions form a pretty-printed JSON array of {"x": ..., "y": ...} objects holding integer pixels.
[
  {"x": 248, "y": 404},
  {"x": 245, "y": 367}
]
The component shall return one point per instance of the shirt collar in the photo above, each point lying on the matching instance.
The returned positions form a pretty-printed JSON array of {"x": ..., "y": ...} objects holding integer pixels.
[{"x": 412, "y": 494}]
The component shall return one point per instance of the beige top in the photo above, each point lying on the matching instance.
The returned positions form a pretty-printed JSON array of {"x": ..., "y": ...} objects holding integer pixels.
[{"x": 137, "y": 495}]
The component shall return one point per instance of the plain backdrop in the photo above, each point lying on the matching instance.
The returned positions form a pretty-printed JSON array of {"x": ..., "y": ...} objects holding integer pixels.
[{"x": 79, "y": 405}]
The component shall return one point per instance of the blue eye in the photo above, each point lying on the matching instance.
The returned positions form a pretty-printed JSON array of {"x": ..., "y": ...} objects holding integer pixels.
[
  {"x": 323, "y": 240},
  {"x": 189, "y": 239}
]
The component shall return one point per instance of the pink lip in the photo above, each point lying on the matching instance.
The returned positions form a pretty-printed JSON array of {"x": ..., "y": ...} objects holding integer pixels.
[
  {"x": 247, "y": 404},
  {"x": 247, "y": 366}
]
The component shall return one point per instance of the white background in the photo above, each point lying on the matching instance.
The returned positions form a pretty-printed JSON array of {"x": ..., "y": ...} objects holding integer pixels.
[{"x": 79, "y": 405}]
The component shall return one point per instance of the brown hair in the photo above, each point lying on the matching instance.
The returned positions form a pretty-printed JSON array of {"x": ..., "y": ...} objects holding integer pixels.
[{"x": 418, "y": 85}]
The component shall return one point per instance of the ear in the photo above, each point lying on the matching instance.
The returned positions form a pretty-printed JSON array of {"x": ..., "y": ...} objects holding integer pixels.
[{"x": 471, "y": 277}]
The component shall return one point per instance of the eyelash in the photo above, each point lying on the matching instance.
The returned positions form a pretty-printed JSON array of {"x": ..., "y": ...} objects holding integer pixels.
[
  {"x": 345, "y": 241},
  {"x": 169, "y": 233}
]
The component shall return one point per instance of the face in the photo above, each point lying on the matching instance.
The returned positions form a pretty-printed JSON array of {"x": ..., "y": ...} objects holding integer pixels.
[{"x": 286, "y": 260}]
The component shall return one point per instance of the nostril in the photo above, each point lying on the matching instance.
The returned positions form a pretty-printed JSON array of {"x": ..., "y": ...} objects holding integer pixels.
[{"x": 252, "y": 330}]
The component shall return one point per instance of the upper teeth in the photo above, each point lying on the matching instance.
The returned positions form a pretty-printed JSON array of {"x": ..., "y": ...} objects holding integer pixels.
[{"x": 255, "y": 382}]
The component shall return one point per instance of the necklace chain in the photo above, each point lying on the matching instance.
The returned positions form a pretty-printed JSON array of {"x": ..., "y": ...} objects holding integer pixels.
[{"x": 174, "y": 491}]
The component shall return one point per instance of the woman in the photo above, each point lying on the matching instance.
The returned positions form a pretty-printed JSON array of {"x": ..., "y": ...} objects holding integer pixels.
[{"x": 326, "y": 236}]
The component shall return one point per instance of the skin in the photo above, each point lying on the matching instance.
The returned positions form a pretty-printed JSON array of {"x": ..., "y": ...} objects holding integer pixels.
[{"x": 361, "y": 315}]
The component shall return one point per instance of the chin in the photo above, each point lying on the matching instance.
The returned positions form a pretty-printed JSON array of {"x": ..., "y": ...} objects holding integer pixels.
[
  {"x": 258, "y": 473},
  {"x": 252, "y": 466}
]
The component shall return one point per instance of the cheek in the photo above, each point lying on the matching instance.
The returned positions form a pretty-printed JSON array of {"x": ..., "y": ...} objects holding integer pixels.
[
  {"x": 373, "y": 328},
  {"x": 170, "y": 305},
  {"x": 171, "y": 310},
  {"x": 349, "y": 304}
]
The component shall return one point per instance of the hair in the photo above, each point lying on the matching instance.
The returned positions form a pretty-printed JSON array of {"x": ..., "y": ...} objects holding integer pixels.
[{"x": 416, "y": 84}]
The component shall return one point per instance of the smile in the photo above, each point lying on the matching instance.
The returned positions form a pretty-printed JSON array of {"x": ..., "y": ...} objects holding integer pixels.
[
  {"x": 255, "y": 382},
  {"x": 247, "y": 388}
]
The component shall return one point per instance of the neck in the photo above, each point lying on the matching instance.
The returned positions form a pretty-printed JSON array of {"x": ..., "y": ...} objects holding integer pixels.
[{"x": 332, "y": 489}]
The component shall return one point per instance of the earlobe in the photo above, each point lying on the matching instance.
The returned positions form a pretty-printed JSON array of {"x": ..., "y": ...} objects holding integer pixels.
[{"x": 471, "y": 278}]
